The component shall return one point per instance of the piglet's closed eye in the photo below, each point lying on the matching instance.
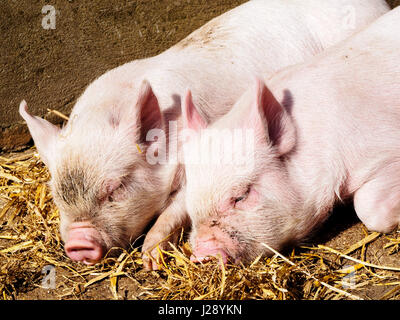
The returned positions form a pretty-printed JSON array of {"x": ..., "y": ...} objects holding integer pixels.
[
  {"x": 249, "y": 200},
  {"x": 109, "y": 190},
  {"x": 244, "y": 200}
]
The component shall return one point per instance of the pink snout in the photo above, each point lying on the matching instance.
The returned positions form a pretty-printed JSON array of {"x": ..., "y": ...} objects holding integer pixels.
[
  {"x": 84, "y": 244},
  {"x": 206, "y": 249}
]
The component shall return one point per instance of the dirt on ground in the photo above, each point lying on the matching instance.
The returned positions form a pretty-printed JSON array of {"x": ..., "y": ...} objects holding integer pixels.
[
  {"x": 340, "y": 232},
  {"x": 24, "y": 276},
  {"x": 51, "y": 68}
]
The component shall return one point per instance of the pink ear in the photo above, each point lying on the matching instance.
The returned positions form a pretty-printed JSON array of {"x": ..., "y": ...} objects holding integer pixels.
[
  {"x": 150, "y": 116},
  {"x": 191, "y": 117},
  {"x": 275, "y": 119},
  {"x": 43, "y": 132}
]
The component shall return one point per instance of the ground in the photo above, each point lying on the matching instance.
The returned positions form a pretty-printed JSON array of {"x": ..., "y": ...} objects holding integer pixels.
[
  {"x": 51, "y": 68},
  {"x": 30, "y": 243},
  {"x": 131, "y": 289}
]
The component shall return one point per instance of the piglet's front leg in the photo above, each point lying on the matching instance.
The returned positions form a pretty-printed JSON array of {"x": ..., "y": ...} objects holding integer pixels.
[{"x": 167, "y": 228}]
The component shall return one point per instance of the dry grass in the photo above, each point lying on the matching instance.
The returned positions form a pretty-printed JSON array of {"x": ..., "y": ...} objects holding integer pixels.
[{"x": 29, "y": 241}]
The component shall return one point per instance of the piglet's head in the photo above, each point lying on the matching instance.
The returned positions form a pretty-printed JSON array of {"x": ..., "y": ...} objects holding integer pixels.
[
  {"x": 234, "y": 207},
  {"x": 101, "y": 182}
]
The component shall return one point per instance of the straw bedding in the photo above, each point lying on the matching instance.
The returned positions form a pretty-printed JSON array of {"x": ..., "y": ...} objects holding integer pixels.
[{"x": 30, "y": 243}]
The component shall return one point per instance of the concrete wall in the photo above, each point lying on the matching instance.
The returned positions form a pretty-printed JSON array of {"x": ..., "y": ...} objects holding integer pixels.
[{"x": 50, "y": 68}]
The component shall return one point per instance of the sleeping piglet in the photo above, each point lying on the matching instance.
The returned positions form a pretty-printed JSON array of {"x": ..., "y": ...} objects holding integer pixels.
[
  {"x": 102, "y": 181},
  {"x": 324, "y": 131}
]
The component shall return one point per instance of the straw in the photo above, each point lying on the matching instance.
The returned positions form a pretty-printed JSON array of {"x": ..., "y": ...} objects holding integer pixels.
[{"x": 30, "y": 240}]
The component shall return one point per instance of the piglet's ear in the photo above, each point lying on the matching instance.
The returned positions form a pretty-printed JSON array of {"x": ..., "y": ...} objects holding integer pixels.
[
  {"x": 43, "y": 133},
  {"x": 191, "y": 117},
  {"x": 149, "y": 113},
  {"x": 274, "y": 119}
]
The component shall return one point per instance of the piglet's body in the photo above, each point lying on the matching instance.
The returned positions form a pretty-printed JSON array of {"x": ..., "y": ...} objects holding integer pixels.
[
  {"x": 325, "y": 131},
  {"x": 100, "y": 179}
]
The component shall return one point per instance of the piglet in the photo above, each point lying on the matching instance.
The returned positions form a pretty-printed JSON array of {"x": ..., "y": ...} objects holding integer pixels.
[
  {"x": 324, "y": 131},
  {"x": 115, "y": 165}
]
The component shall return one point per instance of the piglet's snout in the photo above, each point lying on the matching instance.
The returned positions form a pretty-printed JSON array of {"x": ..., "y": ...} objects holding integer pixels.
[
  {"x": 84, "y": 244},
  {"x": 206, "y": 249}
]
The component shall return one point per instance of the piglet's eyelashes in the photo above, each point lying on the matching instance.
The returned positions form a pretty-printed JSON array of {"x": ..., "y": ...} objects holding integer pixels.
[
  {"x": 112, "y": 190},
  {"x": 249, "y": 200},
  {"x": 239, "y": 199},
  {"x": 243, "y": 197},
  {"x": 116, "y": 194}
]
